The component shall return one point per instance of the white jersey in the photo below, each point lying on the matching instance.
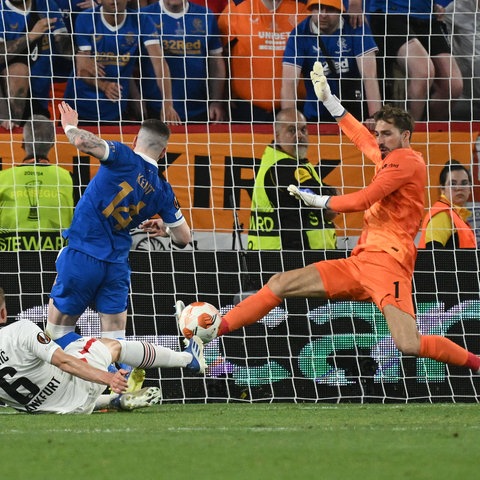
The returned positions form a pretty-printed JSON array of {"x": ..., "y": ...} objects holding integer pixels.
[{"x": 29, "y": 382}]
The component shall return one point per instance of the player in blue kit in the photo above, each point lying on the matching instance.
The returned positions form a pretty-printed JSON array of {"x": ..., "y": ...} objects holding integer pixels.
[
  {"x": 108, "y": 40},
  {"x": 193, "y": 50},
  {"x": 126, "y": 191},
  {"x": 26, "y": 70},
  {"x": 348, "y": 58}
]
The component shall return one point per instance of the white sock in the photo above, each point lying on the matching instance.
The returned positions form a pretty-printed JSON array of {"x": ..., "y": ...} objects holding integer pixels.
[
  {"x": 57, "y": 331},
  {"x": 147, "y": 355},
  {"x": 115, "y": 334},
  {"x": 103, "y": 401}
]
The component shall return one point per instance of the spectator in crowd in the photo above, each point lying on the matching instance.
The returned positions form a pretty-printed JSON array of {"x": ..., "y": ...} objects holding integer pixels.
[
  {"x": 348, "y": 58},
  {"x": 70, "y": 376},
  {"x": 255, "y": 33},
  {"x": 446, "y": 225},
  {"x": 410, "y": 35},
  {"x": 108, "y": 40},
  {"x": 31, "y": 32},
  {"x": 462, "y": 19},
  {"x": 93, "y": 269},
  {"x": 62, "y": 67},
  {"x": 71, "y": 8},
  {"x": 192, "y": 48},
  {"x": 36, "y": 197},
  {"x": 356, "y": 11},
  {"x": 276, "y": 220}
]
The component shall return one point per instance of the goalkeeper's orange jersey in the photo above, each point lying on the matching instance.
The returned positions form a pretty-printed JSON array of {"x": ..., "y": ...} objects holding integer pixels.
[{"x": 393, "y": 201}]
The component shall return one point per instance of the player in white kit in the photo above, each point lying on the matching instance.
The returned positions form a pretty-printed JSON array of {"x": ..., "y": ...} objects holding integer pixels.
[{"x": 37, "y": 375}]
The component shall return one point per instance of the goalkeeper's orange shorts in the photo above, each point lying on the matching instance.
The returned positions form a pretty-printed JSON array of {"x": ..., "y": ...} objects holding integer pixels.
[{"x": 368, "y": 276}]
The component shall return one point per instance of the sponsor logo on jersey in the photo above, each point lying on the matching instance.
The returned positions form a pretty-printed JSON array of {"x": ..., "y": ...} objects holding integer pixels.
[{"x": 391, "y": 165}]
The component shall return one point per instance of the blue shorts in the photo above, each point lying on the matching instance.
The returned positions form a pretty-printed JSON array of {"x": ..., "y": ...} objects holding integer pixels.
[{"x": 84, "y": 281}]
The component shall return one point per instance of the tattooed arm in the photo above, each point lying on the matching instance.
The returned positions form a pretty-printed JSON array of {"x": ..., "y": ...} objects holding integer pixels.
[
  {"x": 85, "y": 141},
  {"x": 19, "y": 45}
]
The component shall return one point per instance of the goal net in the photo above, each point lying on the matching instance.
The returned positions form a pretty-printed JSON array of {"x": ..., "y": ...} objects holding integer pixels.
[{"x": 303, "y": 350}]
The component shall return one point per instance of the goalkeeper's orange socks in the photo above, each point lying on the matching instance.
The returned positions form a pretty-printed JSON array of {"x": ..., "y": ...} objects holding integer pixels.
[
  {"x": 444, "y": 350},
  {"x": 249, "y": 311}
]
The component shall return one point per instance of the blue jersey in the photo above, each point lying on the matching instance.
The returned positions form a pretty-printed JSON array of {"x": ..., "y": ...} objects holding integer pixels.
[
  {"x": 126, "y": 191},
  {"x": 69, "y": 8},
  {"x": 117, "y": 50},
  {"x": 14, "y": 23},
  {"x": 343, "y": 46},
  {"x": 187, "y": 41}
]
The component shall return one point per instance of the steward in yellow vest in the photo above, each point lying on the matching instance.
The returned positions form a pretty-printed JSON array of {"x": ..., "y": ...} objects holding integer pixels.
[
  {"x": 36, "y": 196},
  {"x": 277, "y": 220}
]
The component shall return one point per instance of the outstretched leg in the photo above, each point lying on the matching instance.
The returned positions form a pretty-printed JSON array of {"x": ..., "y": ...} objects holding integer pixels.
[
  {"x": 302, "y": 282},
  {"x": 409, "y": 341}
]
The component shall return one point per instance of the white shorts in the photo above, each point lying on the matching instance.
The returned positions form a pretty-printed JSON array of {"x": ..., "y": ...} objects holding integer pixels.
[
  {"x": 96, "y": 354},
  {"x": 91, "y": 350}
]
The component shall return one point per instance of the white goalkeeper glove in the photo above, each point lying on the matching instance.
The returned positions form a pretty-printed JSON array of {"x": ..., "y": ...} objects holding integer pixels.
[
  {"x": 323, "y": 92},
  {"x": 308, "y": 197}
]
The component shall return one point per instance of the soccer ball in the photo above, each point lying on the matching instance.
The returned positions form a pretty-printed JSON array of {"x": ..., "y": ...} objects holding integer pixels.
[{"x": 201, "y": 319}]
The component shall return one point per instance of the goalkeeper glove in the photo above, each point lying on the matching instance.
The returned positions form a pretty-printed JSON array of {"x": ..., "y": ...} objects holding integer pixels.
[
  {"x": 323, "y": 92},
  {"x": 308, "y": 197}
]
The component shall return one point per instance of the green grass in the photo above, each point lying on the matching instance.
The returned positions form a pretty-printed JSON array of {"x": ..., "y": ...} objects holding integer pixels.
[{"x": 245, "y": 441}]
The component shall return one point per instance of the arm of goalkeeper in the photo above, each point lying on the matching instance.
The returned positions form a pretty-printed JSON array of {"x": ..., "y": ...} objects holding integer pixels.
[
  {"x": 308, "y": 197},
  {"x": 323, "y": 92}
]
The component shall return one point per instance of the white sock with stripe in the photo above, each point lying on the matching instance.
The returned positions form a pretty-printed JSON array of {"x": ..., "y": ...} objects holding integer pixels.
[{"x": 148, "y": 355}]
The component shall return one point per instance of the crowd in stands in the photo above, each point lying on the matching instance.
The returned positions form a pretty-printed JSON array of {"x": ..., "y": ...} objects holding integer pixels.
[{"x": 237, "y": 60}]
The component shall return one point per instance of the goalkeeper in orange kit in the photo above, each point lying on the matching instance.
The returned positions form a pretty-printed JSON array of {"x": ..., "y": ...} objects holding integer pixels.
[{"x": 380, "y": 268}]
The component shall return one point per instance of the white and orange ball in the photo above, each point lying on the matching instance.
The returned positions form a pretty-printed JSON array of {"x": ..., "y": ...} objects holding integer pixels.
[{"x": 201, "y": 319}]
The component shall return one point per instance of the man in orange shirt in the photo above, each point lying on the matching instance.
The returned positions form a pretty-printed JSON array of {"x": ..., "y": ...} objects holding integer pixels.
[
  {"x": 380, "y": 268},
  {"x": 256, "y": 32}
]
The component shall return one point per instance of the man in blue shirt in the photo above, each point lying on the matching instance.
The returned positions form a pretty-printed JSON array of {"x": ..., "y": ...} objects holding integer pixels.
[
  {"x": 62, "y": 68},
  {"x": 348, "y": 58},
  {"x": 193, "y": 50},
  {"x": 31, "y": 33},
  {"x": 124, "y": 194},
  {"x": 108, "y": 40}
]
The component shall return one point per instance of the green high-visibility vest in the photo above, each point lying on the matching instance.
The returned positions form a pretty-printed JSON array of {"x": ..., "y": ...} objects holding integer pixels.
[
  {"x": 264, "y": 229},
  {"x": 36, "y": 200}
]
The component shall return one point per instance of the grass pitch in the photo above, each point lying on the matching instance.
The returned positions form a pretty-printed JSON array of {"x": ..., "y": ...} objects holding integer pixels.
[{"x": 247, "y": 442}]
